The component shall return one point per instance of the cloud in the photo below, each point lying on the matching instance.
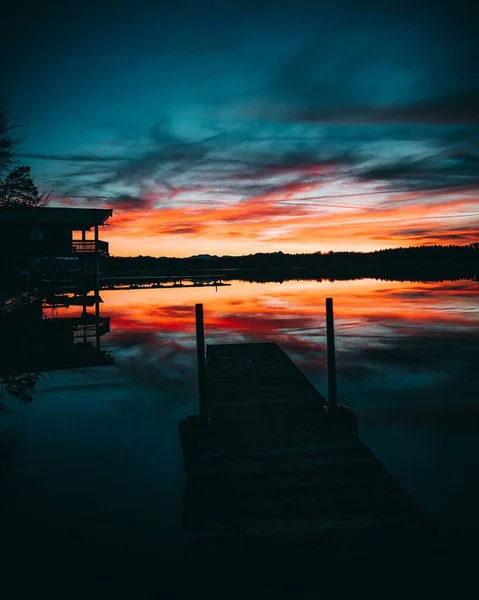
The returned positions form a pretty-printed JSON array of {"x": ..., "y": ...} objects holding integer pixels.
[
  {"x": 142, "y": 163},
  {"x": 427, "y": 176},
  {"x": 422, "y": 350},
  {"x": 129, "y": 202},
  {"x": 427, "y": 379},
  {"x": 418, "y": 333},
  {"x": 166, "y": 154},
  {"x": 164, "y": 366},
  {"x": 130, "y": 339},
  {"x": 461, "y": 108},
  {"x": 181, "y": 229},
  {"x": 439, "y": 235},
  {"x": 445, "y": 288},
  {"x": 71, "y": 158},
  {"x": 278, "y": 180},
  {"x": 293, "y": 216}
]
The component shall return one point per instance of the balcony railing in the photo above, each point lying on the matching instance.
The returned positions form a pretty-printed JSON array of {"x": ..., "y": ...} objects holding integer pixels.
[
  {"x": 79, "y": 246},
  {"x": 88, "y": 330}
]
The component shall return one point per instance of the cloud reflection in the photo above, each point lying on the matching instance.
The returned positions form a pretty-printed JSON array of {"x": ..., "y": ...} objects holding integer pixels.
[{"x": 381, "y": 327}]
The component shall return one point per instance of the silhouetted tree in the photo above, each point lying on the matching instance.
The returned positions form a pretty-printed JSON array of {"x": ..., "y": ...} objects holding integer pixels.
[
  {"x": 16, "y": 184},
  {"x": 18, "y": 189},
  {"x": 416, "y": 263},
  {"x": 20, "y": 386},
  {"x": 7, "y": 142}
]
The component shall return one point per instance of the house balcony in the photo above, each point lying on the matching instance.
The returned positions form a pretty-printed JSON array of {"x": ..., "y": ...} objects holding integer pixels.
[
  {"x": 86, "y": 326},
  {"x": 89, "y": 247},
  {"x": 84, "y": 330}
]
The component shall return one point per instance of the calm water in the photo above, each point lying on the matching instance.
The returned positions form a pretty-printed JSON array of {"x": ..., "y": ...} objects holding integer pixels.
[{"x": 92, "y": 488}]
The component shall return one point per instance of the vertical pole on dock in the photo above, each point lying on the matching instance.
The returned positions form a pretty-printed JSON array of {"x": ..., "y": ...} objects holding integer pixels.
[
  {"x": 332, "y": 397},
  {"x": 200, "y": 354}
]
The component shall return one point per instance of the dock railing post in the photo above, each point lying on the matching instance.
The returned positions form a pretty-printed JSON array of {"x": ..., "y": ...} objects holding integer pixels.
[
  {"x": 332, "y": 397},
  {"x": 200, "y": 354}
]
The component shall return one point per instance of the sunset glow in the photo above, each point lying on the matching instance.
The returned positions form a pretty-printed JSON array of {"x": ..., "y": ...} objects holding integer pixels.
[
  {"x": 255, "y": 128},
  {"x": 293, "y": 223}
]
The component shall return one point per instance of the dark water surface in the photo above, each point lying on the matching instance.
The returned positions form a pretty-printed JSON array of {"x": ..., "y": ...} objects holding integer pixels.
[{"x": 91, "y": 471}]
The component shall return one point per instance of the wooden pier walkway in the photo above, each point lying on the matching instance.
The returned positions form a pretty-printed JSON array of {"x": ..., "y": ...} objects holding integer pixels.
[
  {"x": 11, "y": 303},
  {"x": 73, "y": 285},
  {"x": 281, "y": 491},
  {"x": 118, "y": 282}
]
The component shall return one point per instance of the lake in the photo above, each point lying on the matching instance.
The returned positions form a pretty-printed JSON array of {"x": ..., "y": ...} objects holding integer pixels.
[{"x": 92, "y": 473}]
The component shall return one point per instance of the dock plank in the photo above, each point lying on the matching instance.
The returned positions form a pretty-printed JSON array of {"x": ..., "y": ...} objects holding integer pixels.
[{"x": 273, "y": 469}]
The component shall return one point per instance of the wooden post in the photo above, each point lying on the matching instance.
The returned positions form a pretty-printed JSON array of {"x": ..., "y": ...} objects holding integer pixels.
[
  {"x": 97, "y": 318},
  {"x": 84, "y": 314},
  {"x": 200, "y": 354},
  {"x": 97, "y": 262},
  {"x": 332, "y": 398}
]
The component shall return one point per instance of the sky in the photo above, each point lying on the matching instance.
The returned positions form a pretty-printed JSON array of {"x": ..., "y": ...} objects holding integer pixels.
[{"x": 254, "y": 126}]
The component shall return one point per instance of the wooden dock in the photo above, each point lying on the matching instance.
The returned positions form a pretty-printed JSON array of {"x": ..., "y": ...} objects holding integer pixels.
[
  {"x": 160, "y": 281},
  {"x": 12, "y": 303},
  {"x": 73, "y": 285},
  {"x": 281, "y": 491}
]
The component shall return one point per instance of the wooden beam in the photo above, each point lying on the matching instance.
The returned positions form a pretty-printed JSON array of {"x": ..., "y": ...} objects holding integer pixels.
[
  {"x": 332, "y": 391},
  {"x": 200, "y": 353}
]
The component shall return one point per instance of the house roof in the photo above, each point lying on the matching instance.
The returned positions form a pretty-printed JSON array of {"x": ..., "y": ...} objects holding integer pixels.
[{"x": 76, "y": 218}]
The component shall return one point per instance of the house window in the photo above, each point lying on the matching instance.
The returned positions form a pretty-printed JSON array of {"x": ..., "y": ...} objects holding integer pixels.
[{"x": 36, "y": 232}]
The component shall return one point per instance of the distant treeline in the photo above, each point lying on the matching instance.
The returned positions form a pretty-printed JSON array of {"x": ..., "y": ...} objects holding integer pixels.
[{"x": 417, "y": 262}]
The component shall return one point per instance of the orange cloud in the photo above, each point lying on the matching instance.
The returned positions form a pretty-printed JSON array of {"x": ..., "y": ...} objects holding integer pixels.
[{"x": 279, "y": 220}]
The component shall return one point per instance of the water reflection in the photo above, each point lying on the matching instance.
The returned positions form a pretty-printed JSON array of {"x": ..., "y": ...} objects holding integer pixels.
[
  {"x": 107, "y": 469},
  {"x": 37, "y": 338},
  {"x": 406, "y": 354},
  {"x": 380, "y": 326}
]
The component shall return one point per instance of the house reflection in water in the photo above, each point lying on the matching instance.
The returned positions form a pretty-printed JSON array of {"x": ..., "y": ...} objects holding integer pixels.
[
  {"x": 35, "y": 241},
  {"x": 33, "y": 341}
]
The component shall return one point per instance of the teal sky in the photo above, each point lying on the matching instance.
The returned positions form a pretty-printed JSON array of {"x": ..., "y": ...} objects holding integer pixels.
[{"x": 122, "y": 101}]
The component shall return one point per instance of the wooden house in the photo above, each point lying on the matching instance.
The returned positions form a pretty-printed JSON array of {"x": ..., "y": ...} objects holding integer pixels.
[
  {"x": 31, "y": 237},
  {"x": 51, "y": 232}
]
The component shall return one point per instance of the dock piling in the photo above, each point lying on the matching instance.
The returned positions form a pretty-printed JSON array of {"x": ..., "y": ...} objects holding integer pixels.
[
  {"x": 200, "y": 354},
  {"x": 332, "y": 394}
]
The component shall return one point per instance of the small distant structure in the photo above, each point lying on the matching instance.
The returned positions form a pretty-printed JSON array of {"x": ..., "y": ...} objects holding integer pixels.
[{"x": 31, "y": 235}]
